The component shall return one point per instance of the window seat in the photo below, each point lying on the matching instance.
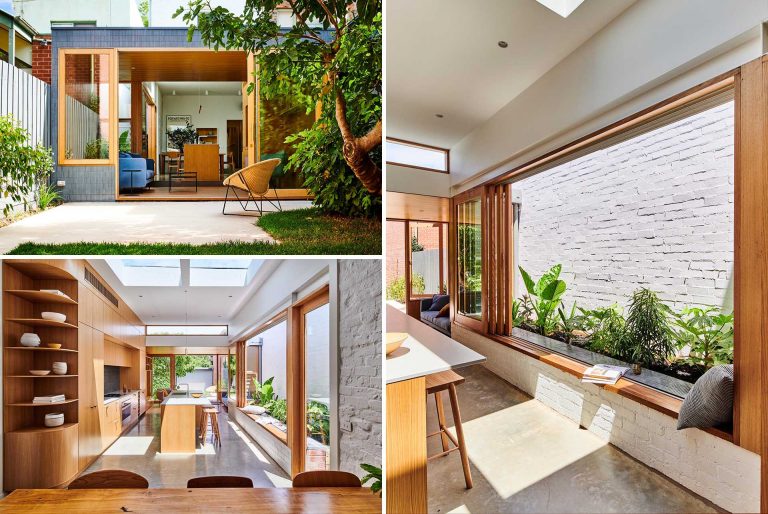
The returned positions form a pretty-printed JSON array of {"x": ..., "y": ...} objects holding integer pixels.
[
  {"x": 268, "y": 437},
  {"x": 268, "y": 426}
]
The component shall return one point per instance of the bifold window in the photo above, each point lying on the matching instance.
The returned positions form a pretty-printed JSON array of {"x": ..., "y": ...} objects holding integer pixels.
[
  {"x": 414, "y": 155},
  {"x": 187, "y": 330}
]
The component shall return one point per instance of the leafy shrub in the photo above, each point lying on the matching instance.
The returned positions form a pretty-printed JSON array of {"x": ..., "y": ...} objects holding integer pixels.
[
  {"x": 47, "y": 195},
  {"x": 647, "y": 337},
  {"x": 373, "y": 474},
  {"x": 708, "y": 334},
  {"x": 606, "y": 328},
  {"x": 544, "y": 297},
  {"x": 125, "y": 144},
  {"x": 318, "y": 420},
  {"x": 97, "y": 149},
  {"x": 278, "y": 409},
  {"x": 396, "y": 288},
  {"x": 182, "y": 136}
]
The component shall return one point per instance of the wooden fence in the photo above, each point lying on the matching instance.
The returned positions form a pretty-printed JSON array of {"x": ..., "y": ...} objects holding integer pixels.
[{"x": 28, "y": 100}]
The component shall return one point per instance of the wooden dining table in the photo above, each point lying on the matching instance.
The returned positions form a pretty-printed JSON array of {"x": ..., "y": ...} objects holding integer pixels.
[{"x": 357, "y": 500}]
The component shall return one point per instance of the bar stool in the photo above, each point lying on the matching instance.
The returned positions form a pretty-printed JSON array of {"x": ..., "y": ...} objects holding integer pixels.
[
  {"x": 212, "y": 415},
  {"x": 436, "y": 384}
]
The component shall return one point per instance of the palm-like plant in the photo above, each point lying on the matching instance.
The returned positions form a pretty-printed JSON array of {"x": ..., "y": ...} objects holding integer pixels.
[{"x": 648, "y": 337}]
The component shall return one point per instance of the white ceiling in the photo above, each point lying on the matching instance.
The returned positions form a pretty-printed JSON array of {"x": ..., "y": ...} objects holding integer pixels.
[
  {"x": 443, "y": 58},
  {"x": 183, "y": 304},
  {"x": 199, "y": 88}
]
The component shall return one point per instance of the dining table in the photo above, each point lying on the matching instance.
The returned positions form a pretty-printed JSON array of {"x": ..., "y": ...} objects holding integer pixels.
[{"x": 357, "y": 500}]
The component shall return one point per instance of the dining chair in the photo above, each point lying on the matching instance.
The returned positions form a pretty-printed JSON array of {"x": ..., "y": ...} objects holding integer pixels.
[
  {"x": 326, "y": 479},
  {"x": 110, "y": 479},
  {"x": 218, "y": 481},
  {"x": 254, "y": 181}
]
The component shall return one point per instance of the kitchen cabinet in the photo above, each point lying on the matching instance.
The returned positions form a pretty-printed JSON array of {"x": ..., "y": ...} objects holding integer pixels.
[
  {"x": 91, "y": 389},
  {"x": 113, "y": 424},
  {"x": 117, "y": 355}
]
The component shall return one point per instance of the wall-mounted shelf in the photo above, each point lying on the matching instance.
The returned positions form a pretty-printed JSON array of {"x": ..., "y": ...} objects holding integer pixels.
[
  {"x": 39, "y": 349},
  {"x": 30, "y": 404},
  {"x": 40, "y": 296},
  {"x": 35, "y": 430},
  {"x": 39, "y": 322}
]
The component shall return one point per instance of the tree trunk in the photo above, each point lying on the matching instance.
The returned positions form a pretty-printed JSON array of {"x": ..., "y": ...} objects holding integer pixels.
[{"x": 356, "y": 148}]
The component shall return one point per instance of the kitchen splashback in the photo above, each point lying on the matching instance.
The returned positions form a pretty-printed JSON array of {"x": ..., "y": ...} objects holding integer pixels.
[{"x": 111, "y": 379}]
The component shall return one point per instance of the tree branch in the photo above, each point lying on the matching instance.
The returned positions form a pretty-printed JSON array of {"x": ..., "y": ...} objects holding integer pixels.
[{"x": 356, "y": 151}]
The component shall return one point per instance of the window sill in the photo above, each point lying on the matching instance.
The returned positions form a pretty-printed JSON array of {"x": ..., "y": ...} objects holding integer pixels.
[
  {"x": 644, "y": 395},
  {"x": 271, "y": 429}
]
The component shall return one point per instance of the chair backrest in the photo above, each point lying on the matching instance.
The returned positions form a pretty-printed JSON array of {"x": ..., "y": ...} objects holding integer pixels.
[
  {"x": 110, "y": 479},
  {"x": 326, "y": 479},
  {"x": 256, "y": 176},
  {"x": 218, "y": 481}
]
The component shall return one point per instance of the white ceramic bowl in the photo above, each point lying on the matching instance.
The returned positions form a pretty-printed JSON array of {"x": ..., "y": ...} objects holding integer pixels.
[
  {"x": 39, "y": 372},
  {"x": 59, "y": 368},
  {"x": 54, "y": 419},
  {"x": 54, "y": 316},
  {"x": 394, "y": 340},
  {"x": 29, "y": 339}
]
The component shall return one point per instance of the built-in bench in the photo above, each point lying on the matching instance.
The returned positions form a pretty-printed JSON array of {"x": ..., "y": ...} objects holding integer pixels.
[{"x": 270, "y": 438}]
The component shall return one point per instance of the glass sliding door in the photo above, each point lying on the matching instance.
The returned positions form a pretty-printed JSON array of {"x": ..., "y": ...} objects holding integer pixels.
[
  {"x": 317, "y": 387},
  {"x": 161, "y": 374},
  {"x": 469, "y": 259}
]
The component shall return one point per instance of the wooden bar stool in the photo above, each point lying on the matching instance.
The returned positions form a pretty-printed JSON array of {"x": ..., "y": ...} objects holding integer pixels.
[
  {"x": 212, "y": 415},
  {"x": 436, "y": 384}
]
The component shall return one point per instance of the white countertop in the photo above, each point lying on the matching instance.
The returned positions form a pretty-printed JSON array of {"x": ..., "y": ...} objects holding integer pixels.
[
  {"x": 426, "y": 350},
  {"x": 186, "y": 401}
]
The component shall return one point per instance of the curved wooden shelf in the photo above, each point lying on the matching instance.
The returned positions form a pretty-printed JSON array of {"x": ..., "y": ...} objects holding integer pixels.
[
  {"x": 39, "y": 322},
  {"x": 39, "y": 349},
  {"x": 33, "y": 430},
  {"x": 40, "y": 270},
  {"x": 41, "y": 376},
  {"x": 40, "y": 296},
  {"x": 30, "y": 404}
]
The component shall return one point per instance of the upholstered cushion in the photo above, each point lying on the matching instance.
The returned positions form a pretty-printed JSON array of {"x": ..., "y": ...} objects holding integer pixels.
[
  {"x": 444, "y": 311},
  {"x": 439, "y": 301},
  {"x": 710, "y": 402},
  {"x": 254, "y": 409}
]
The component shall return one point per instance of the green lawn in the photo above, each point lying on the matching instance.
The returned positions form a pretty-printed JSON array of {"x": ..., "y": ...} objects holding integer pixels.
[{"x": 298, "y": 232}]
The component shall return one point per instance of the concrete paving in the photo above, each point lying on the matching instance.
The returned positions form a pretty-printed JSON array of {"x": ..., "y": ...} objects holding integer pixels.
[
  {"x": 525, "y": 457},
  {"x": 138, "y": 451},
  {"x": 133, "y": 222}
]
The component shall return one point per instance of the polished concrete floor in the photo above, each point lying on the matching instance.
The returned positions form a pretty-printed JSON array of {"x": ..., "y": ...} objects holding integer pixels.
[
  {"x": 138, "y": 451},
  {"x": 525, "y": 457}
]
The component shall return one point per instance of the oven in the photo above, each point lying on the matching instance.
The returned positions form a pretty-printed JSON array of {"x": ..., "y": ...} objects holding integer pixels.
[{"x": 125, "y": 410}]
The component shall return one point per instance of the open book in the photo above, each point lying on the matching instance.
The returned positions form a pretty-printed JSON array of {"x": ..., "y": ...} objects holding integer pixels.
[{"x": 603, "y": 374}]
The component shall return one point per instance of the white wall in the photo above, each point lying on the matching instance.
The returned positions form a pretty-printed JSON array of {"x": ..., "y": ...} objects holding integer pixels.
[
  {"x": 217, "y": 109},
  {"x": 273, "y": 356},
  {"x": 653, "y": 50},
  {"x": 161, "y": 12},
  {"x": 420, "y": 182},
  {"x": 106, "y": 13}
]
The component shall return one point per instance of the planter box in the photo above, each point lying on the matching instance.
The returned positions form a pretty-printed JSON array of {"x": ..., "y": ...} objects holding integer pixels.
[{"x": 265, "y": 436}]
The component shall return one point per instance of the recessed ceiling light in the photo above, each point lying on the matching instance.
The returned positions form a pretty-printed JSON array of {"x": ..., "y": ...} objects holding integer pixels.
[
  {"x": 230, "y": 296},
  {"x": 141, "y": 296},
  {"x": 503, "y": 44},
  {"x": 438, "y": 115}
]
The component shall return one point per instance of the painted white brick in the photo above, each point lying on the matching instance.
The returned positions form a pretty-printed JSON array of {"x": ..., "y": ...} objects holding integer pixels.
[{"x": 720, "y": 471}]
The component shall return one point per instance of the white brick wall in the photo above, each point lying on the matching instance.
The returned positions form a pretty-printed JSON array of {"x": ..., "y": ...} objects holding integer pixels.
[
  {"x": 654, "y": 211},
  {"x": 360, "y": 376},
  {"x": 721, "y": 472}
]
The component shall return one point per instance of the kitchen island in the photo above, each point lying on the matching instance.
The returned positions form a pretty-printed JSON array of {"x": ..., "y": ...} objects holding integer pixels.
[
  {"x": 424, "y": 352},
  {"x": 180, "y": 420}
]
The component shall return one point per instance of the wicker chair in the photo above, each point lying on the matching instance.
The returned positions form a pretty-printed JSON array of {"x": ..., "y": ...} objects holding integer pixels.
[{"x": 254, "y": 181}]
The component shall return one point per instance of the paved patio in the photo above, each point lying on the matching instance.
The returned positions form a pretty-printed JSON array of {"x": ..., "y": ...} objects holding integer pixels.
[{"x": 132, "y": 222}]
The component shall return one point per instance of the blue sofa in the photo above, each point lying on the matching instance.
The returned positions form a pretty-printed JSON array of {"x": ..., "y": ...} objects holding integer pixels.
[
  {"x": 129, "y": 161},
  {"x": 429, "y": 309}
]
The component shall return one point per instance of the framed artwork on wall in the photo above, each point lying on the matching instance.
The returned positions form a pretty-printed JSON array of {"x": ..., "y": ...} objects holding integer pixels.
[{"x": 173, "y": 122}]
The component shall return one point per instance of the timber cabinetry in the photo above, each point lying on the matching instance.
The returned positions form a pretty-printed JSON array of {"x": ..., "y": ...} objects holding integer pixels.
[
  {"x": 91, "y": 441},
  {"x": 36, "y": 456}
]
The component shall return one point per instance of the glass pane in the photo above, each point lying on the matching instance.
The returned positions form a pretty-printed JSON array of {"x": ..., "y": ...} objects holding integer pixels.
[
  {"x": 425, "y": 258},
  {"x": 317, "y": 347},
  {"x": 223, "y": 376},
  {"x": 194, "y": 373},
  {"x": 469, "y": 253},
  {"x": 161, "y": 374},
  {"x": 186, "y": 330},
  {"x": 87, "y": 106},
  {"x": 401, "y": 153},
  {"x": 267, "y": 372},
  {"x": 281, "y": 117},
  {"x": 396, "y": 261},
  {"x": 232, "y": 376}
]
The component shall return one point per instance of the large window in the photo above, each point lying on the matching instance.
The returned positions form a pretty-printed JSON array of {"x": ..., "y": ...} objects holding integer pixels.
[
  {"x": 195, "y": 372},
  {"x": 396, "y": 261},
  {"x": 318, "y": 387},
  {"x": 267, "y": 373},
  {"x": 186, "y": 330},
  {"x": 413, "y": 155},
  {"x": 161, "y": 374},
  {"x": 469, "y": 259},
  {"x": 280, "y": 117},
  {"x": 87, "y": 106},
  {"x": 428, "y": 258}
]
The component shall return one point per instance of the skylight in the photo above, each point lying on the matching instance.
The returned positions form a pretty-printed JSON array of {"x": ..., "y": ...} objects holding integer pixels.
[
  {"x": 222, "y": 272},
  {"x": 418, "y": 156},
  {"x": 147, "y": 272},
  {"x": 187, "y": 330},
  {"x": 562, "y": 7}
]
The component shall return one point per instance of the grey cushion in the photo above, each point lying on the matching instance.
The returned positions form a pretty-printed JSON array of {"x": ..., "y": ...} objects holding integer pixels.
[
  {"x": 438, "y": 301},
  {"x": 710, "y": 402}
]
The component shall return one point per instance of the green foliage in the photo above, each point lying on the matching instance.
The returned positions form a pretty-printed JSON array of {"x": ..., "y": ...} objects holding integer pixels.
[
  {"x": 22, "y": 166},
  {"x": 125, "y": 143},
  {"x": 396, "y": 288},
  {"x": 544, "y": 297},
  {"x": 568, "y": 321},
  {"x": 47, "y": 195},
  {"x": 144, "y": 12},
  {"x": 470, "y": 258},
  {"x": 647, "y": 337},
  {"x": 161, "y": 374},
  {"x": 415, "y": 245},
  {"x": 278, "y": 409},
  {"x": 263, "y": 393},
  {"x": 373, "y": 474},
  {"x": 606, "y": 328},
  {"x": 186, "y": 364},
  {"x": 708, "y": 333},
  {"x": 312, "y": 68},
  {"x": 182, "y": 136},
  {"x": 97, "y": 149},
  {"x": 318, "y": 421}
]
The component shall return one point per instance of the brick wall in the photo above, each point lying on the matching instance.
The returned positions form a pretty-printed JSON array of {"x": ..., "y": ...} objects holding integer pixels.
[
  {"x": 720, "y": 471},
  {"x": 395, "y": 250},
  {"x": 360, "y": 376},
  {"x": 41, "y": 59},
  {"x": 654, "y": 211}
]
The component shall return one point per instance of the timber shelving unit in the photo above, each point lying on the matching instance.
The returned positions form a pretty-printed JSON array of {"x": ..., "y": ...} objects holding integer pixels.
[{"x": 39, "y": 457}]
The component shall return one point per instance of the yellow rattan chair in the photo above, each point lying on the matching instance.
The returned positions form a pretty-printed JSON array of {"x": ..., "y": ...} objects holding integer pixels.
[{"x": 253, "y": 180}]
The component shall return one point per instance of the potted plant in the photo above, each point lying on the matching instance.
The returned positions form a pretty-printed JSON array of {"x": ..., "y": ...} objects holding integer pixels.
[
  {"x": 182, "y": 136},
  {"x": 647, "y": 338}
]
